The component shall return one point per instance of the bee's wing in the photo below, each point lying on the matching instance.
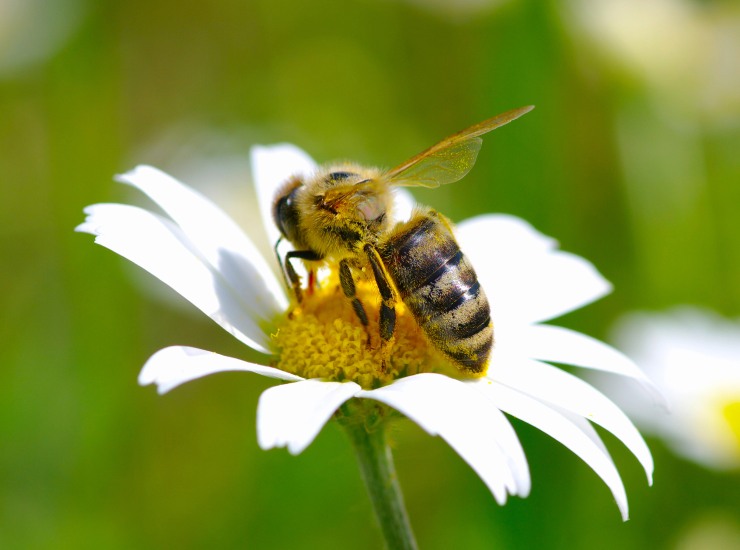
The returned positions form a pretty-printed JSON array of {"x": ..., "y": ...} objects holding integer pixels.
[{"x": 449, "y": 160}]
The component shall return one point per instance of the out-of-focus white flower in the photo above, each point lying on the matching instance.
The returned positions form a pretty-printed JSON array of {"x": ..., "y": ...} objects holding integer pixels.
[
  {"x": 686, "y": 53},
  {"x": 693, "y": 356},
  {"x": 460, "y": 9},
  {"x": 31, "y": 30},
  {"x": 202, "y": 254},
  {"x": 717, "y": 531}
]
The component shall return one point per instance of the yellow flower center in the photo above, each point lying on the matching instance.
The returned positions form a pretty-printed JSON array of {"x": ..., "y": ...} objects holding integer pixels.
[
  {"x": 731, "y": 412},
  {"x": 324, "y": 338}
]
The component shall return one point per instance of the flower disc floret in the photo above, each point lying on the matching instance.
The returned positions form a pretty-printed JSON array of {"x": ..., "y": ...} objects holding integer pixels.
[{"x": 324, "y": 338}]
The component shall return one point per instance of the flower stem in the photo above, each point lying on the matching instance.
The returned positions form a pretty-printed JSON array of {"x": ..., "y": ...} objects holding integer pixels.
[{"x": 376, "y": 464}]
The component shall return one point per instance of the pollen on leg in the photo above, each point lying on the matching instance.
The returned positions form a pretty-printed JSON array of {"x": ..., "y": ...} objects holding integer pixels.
[{"x": 324, "y": 338}]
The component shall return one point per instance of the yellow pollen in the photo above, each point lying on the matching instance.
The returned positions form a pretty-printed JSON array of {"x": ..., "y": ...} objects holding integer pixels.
[{"x": 324, "y": 338}]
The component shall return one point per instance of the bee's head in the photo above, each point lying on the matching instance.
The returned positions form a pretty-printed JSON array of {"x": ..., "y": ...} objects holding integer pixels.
[
  {"x": 341, "y": 176},
  {"x": 344, "y": 178},
  {"x": 353, "y": 193}
]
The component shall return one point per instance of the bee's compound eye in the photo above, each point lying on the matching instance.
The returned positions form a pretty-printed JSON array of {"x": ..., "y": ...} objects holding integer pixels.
[
  {"x": 339, "y": 176},
  {"x": 285, "y": 212}
]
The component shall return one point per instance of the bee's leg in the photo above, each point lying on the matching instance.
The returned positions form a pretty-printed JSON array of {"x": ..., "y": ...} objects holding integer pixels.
[
  {"x": 311, "y": 281},
  {"x": 348, "y": 286},
  {"x": 387, "y": 319},
  {"x": 295, "y": 279}
]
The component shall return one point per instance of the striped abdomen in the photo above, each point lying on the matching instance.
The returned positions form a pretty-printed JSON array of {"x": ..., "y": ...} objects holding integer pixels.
[{"x": 439, "y": 286}]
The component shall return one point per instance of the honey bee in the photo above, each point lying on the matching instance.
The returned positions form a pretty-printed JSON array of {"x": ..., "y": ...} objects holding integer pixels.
[{"x": 342, "y": 215}]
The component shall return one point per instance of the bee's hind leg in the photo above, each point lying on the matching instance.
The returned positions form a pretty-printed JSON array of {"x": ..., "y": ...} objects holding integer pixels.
[{"x": 387, "y": 320}]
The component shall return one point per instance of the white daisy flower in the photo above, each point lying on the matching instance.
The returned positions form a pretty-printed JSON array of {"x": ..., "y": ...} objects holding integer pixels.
[
  {"x": 321, "y": 348},
  {"x": 693, "y": 355}
]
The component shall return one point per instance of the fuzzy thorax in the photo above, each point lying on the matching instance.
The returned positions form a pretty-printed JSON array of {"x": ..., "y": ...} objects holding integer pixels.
[{"x": 323, "y": 338}]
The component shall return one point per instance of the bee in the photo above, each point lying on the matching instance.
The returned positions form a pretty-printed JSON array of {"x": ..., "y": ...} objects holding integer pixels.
[{"x": 342, "y": 216}]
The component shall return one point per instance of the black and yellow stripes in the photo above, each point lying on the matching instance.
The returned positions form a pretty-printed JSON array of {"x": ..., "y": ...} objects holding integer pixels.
[{"x": 439, "y": 286}]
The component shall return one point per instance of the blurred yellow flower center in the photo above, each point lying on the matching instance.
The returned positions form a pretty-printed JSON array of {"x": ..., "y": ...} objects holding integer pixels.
[
  {"x": 731, "y": 412},
  {"x": 323, "y": 338}
]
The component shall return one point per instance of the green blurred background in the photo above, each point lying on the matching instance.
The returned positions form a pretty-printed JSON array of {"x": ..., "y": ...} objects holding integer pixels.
[{"x": 631, "y": 159}]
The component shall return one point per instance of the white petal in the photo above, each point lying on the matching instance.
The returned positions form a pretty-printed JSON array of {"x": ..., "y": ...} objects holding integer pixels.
[
  {"x": 517, "y": 235},
  {"x": 271, "y": 167},
  {"x": 562, "y": 429},
  {"x": 403, "y": 204},
  {"x": 562, "y": 345},
  {"x": 468, "y": 422},
  {"x": 553, "y": 385},
  {"x": 218, "y": 239},
  {"x": 527, "y": 280},
  {"x": 170, "y": 367},
  {"x": 292, "y": 415},
  {"x": 160, "y": 247}
]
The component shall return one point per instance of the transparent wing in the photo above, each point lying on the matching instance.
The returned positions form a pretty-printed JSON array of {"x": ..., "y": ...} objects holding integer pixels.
[{"x": 449, "y": 160}]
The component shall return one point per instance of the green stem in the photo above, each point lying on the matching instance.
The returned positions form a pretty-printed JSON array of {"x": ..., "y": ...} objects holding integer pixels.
[{"x": 376, "y": 464}]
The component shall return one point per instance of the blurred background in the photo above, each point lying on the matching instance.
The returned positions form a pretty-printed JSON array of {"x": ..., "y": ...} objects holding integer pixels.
[{"x": 631, "y": 159}]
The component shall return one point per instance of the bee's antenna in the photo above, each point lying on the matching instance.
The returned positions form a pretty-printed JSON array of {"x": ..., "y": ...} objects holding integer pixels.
[{"x": 280, "y": 261}]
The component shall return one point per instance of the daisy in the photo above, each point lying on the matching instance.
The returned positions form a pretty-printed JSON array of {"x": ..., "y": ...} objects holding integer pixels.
[
  {"x": 693, "y": 356},
  {"x": 322, "y": 351}
]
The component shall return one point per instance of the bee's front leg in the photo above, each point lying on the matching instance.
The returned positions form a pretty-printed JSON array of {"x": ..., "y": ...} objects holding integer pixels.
[{"x": 293, "y": 277}]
